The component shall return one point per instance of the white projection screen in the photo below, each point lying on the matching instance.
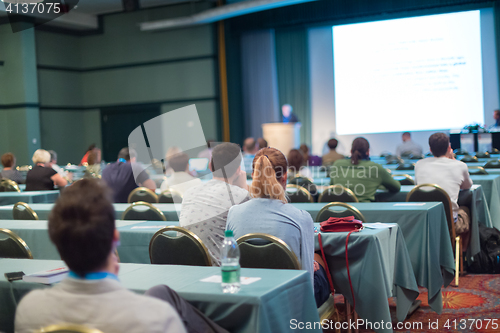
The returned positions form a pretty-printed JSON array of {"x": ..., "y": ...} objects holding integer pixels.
[{"x": 410, "y": 74}]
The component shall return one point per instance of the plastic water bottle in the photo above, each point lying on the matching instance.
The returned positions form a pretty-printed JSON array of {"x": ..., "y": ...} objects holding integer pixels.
[{"x": 230, "y": 264}]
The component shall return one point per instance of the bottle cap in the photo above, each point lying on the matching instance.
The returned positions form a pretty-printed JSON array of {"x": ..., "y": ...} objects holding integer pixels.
[{"x": 229, "y": 233}]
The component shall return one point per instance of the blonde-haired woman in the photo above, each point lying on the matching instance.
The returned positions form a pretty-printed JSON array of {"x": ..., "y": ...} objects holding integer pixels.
[
  {"x": 42, "y": 177},
  {"x": 269, "y": 212}
]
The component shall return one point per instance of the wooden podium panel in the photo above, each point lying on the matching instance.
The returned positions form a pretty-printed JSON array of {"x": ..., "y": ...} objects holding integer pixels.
[{"x": 284, "y": 137}]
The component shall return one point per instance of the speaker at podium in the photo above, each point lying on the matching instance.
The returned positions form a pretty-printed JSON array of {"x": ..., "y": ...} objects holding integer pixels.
[{"x": 282, "y": 136}]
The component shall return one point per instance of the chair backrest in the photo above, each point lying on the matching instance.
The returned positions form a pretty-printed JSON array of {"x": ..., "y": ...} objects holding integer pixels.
[
  {"x": 483, "y": 154},
  {"x": 170, "y": 196},
  {"x": 7, "y": 185},
  {"x": 494, "y": 151},
  {"x": 406, "y": 166},
  {"x": 298, "y": 194},
  {"x": 404, "y": 179},
  {"x": 461, "y": 151},
  {"x": 306, "y": 183},
  {"x": 393, "y": 160},
  {"x": 68, "y": 328},
  {"x": 469, "y": 159},
  {"x": 434, "y": 193},
  {"x": 339, "y": 209},
  {"x": 260, "y": 250},
  {"x": 12, "y": 246},
  {"x": 337, "y": 193},
  {"x": 477, "y": 170},
  {"x": 142, "y": 194},
  {"x": 143, "y": 211},
  {"x": 416, "y": 157},
  {"x": 22, "y": 211},
  {"x": 174, "y": 245},
  {"x": 495, "y": 164}
]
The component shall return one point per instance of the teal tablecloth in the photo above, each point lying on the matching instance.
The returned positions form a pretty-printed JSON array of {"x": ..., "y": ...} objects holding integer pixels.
[
  {"x": 426, "y": 234},
  {"x": 380, "y": 268},
  {"x": 267, "y": 305},
  {"x": 10, "y": 198}
]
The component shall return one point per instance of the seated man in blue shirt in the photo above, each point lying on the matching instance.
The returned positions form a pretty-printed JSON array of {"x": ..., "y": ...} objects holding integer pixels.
[{"x": 119, "y": 176}]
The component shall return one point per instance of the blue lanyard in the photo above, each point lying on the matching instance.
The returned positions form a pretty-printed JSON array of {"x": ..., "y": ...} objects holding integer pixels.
[
  {"x": 122, "y": 160},
  {"x": 93, "y": 276}
]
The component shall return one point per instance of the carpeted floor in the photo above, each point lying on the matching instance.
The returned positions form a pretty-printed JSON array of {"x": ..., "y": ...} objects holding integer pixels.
[{"x": 466, "y": 308}]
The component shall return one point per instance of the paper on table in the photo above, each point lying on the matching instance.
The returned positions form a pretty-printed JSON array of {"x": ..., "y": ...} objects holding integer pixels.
[
  {"x": 149, "y": 227},
  {"x": 410, "y": 204},
  {"x": 218, "y": 279},
  {"x": 377, "y": 225}
]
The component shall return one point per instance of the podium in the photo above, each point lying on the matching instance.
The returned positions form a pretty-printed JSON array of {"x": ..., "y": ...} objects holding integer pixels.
[{"x": 284, "y": 137}]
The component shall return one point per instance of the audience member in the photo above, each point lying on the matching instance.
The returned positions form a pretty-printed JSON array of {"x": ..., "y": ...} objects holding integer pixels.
[
  {"x": 288, "y": 115},
  {"x": 204, "y": 207},
  {"x": 120, "y": 176},
  {"x": 332, "y": 156},
  {"x": 262, "y": 143},
  {"x": 408, "y": 147},
  {"x": 250, "y": 148},
  {"x": 180, "y": 180},
  {"x": 82, "y": 227},
  {"x": 361, "y": 175},
  {"x": 93, "y": 169},
  {"x": 42, "y": 177},
  {"x": 53, "y": 164},
  {"x": 207, "y": 153},
  {"x": 452, "y": 175},
  {"x": 85, "y": 157},
  {"x": 9, "y": 169},
  {"x": 311, "y": 160},
  {"x": 296, "y": 165},
  {"x": 94, "y": 157},
  {"x": 496, "y": 116},
  {"x": 268, "y": 212},
  {"x": 172, "y": 151}
]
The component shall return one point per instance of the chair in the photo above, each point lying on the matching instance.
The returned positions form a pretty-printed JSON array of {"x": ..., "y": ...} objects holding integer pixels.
[
  {"x": 297, "y": 194},
  {"x": 12, "y": 246},
  {"x": 22, "y": 211},
  {"x": 258, "y": 250},
  {"x": 393, "y": 160},
  {"x": 433, "y": 192},
  {"x": 343, "y": 210},
  {"x": 494, "y": 151},
  {"x": 143, "y": 211},
  {"x": 484, "y": 154},
  {"x": 477, "y": 170},
  {"x": 469, "y": 159},
  {"x": 495, "y": 164},
  {"x": 406, "y": 166},
  {"x": 337, "y": 193},
  {"x": 7, "y": 185},
  {"x": 404, "y": 179},
  {"x": 67, "y": 328},
  {"x": 170, "y": 196},
  {"x": 183, "y": 249},
  {"x": 461, "y": 151},
  {"x": 429, "y": 154},
  {"x": 142, "y": 194},
  {"x": 306, "y": 183}
]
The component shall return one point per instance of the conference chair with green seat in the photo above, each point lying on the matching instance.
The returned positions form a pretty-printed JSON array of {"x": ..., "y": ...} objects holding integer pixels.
[
  {"x": 143, "y": 211},
  {"x": 12, "y": 246},
  {"x": 170, "y": 196},
  {"x": 404, "y": 179},
  {"x": 7, "y": 185},
  {"x": 406, "y": 166},
  {"x": 337, "y": 193},
  {"x": 469, "y": 159},
  {"x": 495, "y": 164},
  {"x": 306, "y": 183},
  {"x": 416, "y": 157},
  {"x": 461, "y": 151},
  {"x": 298, "y": 194},
  {"x": 494, "y": 151},
  {"x": 68, "y": 328},
  {"x": 142, "y": 194},
  {"x": 174, "y": 245},
  {"x": 339, "y": 209},
  {"x": 393, "y": 160},
  {"x": 477, "y": 170},
  {"x": 483, "y": 154},
  {"x": 22, "y": 211},
  {"x": 431, "y": 193}
]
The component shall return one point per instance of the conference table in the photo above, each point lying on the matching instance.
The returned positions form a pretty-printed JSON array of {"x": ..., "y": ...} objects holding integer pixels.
[
  {"x": 267, "y": 305},
  {"x": 30, "y": 197},
  {"x": 381, "y": 252}
]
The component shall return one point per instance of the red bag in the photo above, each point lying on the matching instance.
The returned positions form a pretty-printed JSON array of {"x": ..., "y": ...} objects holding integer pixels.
[{"x": 341, "y": 224}]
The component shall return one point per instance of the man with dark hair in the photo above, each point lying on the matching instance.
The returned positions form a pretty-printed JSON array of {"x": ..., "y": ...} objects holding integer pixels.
[
  {"x": 250, "y": 148},
  {"x": 180, "y": 180},
  {"x": 205, "y": 207},
  {"x": 262, "y": 143},
  {"x": 119, "y": 176},
  {"x": 452, "y": 175},
  {"x": 9, "y": 169},
  {"x": 408, "y": 147},
  {"x": 332, "y": 156},
  {"x": 82, "y": 226}
]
